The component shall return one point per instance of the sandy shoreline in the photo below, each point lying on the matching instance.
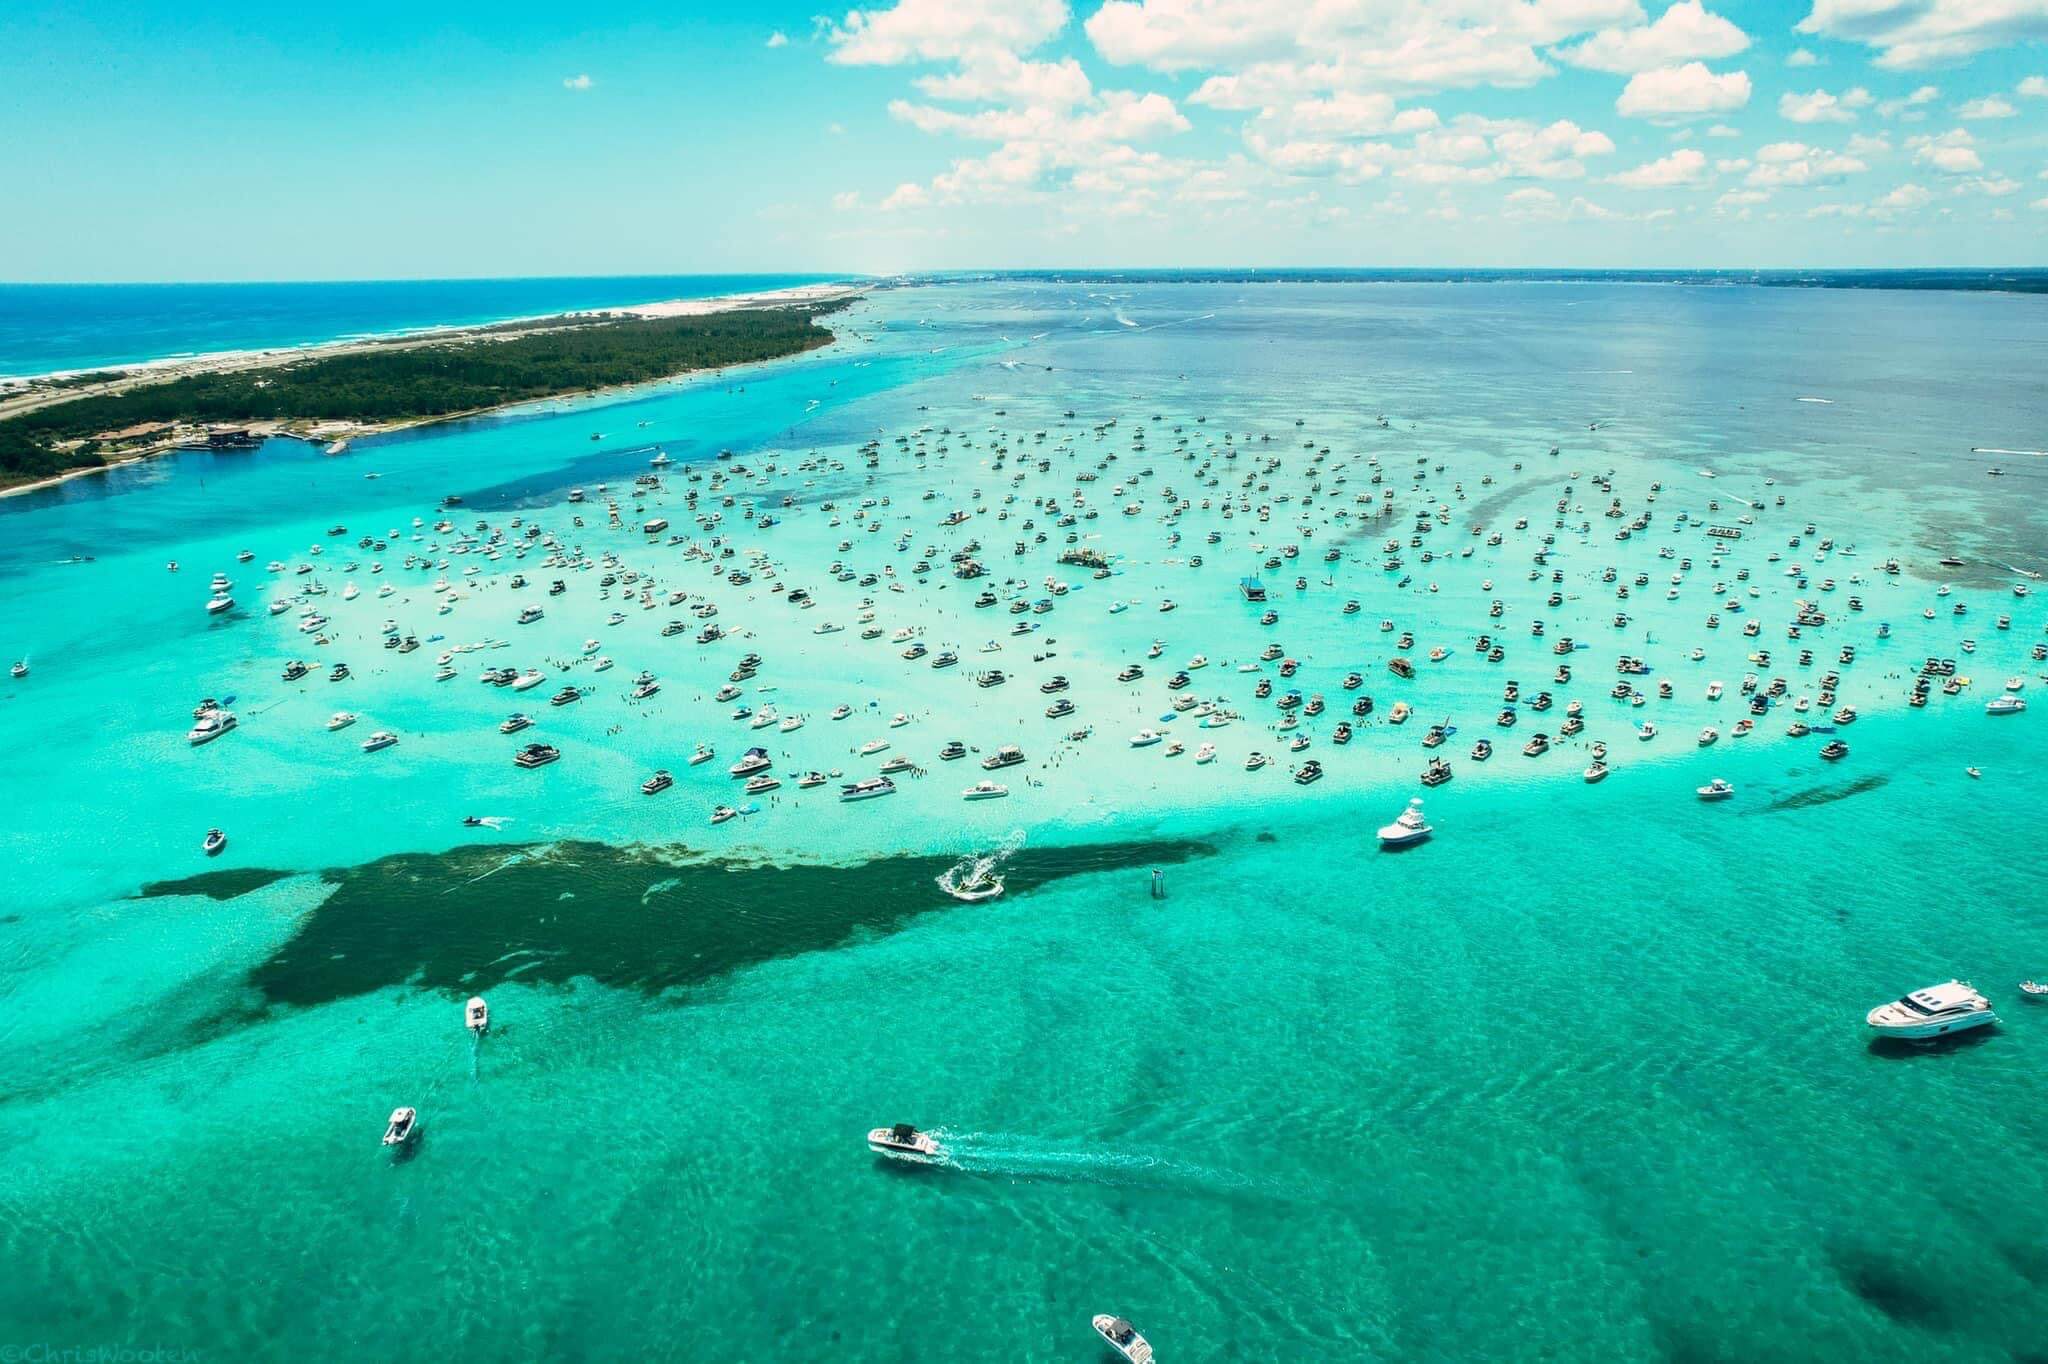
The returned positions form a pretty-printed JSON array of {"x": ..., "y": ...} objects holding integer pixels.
[{"x": 22, "y": 395}]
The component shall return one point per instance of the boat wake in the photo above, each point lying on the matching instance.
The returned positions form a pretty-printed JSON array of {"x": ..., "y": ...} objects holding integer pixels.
[
  {"x": 978, "y": 876},
  {"x": 1024, "y": 1157}
]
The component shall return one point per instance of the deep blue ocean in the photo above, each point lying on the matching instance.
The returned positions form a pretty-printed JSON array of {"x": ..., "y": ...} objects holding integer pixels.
[{"x": 46, "y": 327}]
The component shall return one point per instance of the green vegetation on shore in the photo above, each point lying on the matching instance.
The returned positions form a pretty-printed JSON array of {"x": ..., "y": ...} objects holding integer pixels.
[{"x": 437, "y": 379}]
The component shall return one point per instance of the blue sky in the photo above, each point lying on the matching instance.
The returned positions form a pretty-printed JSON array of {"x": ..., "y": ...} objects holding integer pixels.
[{"x": 145, "y": 139}]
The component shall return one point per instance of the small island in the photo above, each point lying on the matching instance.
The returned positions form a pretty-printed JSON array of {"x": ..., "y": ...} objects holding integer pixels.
[{"x": 66, "y": 425}]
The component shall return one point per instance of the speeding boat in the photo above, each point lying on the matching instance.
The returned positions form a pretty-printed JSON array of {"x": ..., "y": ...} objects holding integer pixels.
[
  {"x": 20, "y": 669},
  {"x": 904, "y": 1142},
  {"x": 1953, "y": 1006},
  {"x": 476, "y": 1015},
  {"x": 1408, "y": 827},
  {"x": 1123, "y": 1337},
  {"x": 404, "y": 1124}
]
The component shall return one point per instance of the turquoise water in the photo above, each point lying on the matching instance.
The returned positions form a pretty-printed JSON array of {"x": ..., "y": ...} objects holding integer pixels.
[
  {"x": 1584, "y": 1074},
  {"x": 51, "y": 327}
]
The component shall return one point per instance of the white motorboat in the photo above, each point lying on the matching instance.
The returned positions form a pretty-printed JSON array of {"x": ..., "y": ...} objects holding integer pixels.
[
  {"x": 210, "y": 726},
  {"x": 382, "y": 739},
  {"x": 341, "y": 719},
  {"x": 1145, "y": 738},
  {"x": 867, "y": 789},
  {"x": 985, "y": 790},
  {"x": 216, "y": 605},
  {"x": 476, "y": 1015},
  {"x": 404, "y": 1124},
  {"x": 1123, "y": 1337},
  {"x": 1408, "y": 827},
  {"x": 904, "y": 1142},
  {"x": 1953, "y": 1006},
  {"x": 1717, "y": 789},
  {"x": 2004, "y": 705},
  {"x": 215, "y": 841}
]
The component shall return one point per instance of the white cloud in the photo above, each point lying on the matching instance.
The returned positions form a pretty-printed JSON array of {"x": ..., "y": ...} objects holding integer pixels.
[
  {"x": 1801, "y": 57},
  {"x": 1917, "y": 33},
  {"x": 1952, "y": 153},
  {"x": 846, "y": 199},
  {"x": 1682, "y": 33},
  {"x": 577, "y": 83},
  {"x": 910, "y": 194},
  {"x": 1687, "y": 91},
  {"x": 943, "y": 30},
  {"x": 1867, "y": 145},
  {"x": 1684, "y": 167},
  {"x": 1988, "y": 107},
  {"x": 2039, "y": 205},
  {"x": 1996, "y": 186},
  {"x": 2034, "y": 87},
  {"x": 1794, "y": 165},
  {"x": 778, "y": 39},
  {"x": 1926, "y": 94},
  {"x": 1266, "y": 53},
  {"x": 1822, "y": 107},
  {"x": 1002, "y": 77},
  {"x": 1904, "y": 199},
  {"x": 1723, "y": 130}
]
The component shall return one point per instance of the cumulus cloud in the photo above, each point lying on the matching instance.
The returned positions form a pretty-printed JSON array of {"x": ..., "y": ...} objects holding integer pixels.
[
  {"x": 1793, "y": 165},
  {"x": 1904, "y": 199},
  {"x": 1821, "y": 107},
  {"x": 943, "y": 30},
  {"x": 1918, "y": 33},
  {"x": 1909, "y": 104},
  {"x": 1990, "y": 106},
  {"x": 1801, "y": 57},
  {"x": 1682, "y": 33},
  {"x": 778, "y": 39},
  {"x": 2034, "y": 87},
  {"x": 1683, "y": 168},
  {"x": 1680, "y": 92},
  {"x": 1952, "y": 153},
  {"x": 1268, "y": 52}
]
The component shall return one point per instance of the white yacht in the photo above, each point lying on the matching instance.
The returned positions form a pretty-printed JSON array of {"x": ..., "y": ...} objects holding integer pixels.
[
  {"x": 405, "y": 1122},
  {"x": 867, "y": 788},
  {"x": 216, "y": 605},
  {"x": 1408, "y": 827},
  {"x": 904, "y": 1142},
  {"x": 476, "y": 1015},
  {"x": 1952, "y": 1006},
  {"x": 1145, "y": 738},
  {"x": 341, "y": 719},
  {"x": 383, "y": 738},
  {"x": 985, "y": 790},
  {"x": 1123, "y": 1337},
  {"x": 209, "y": 726},
  {"x": 2004, "y": 705},
  {"x": 1716, "y": 789}
]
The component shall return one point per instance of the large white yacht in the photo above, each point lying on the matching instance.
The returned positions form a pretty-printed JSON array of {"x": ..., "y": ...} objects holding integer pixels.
[
  {"x": 1408, "y": 827},
  {"x": 1936, "y": 1011}
]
